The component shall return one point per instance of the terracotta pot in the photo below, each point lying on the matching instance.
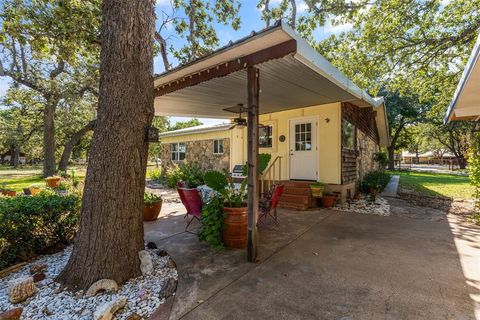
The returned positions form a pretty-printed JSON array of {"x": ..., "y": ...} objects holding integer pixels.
[
  {"x": 151, "y": 212},
  {"x": 53, "y": 182},
  {"x": 9, "y": 193},
  {"x": 235, "y": 231},
  {"x": 328, "y": 201}
]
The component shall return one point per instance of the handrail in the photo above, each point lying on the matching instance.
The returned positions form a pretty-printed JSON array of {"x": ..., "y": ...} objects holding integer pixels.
[{"x": 271, "y": 169}]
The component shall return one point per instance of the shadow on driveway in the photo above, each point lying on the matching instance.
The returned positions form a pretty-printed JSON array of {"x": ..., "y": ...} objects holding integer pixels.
[{"x": 325, "y": 264}]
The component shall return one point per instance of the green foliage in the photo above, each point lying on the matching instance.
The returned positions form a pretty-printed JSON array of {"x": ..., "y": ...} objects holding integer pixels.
[
  {"x": 263, "y": 161},
  {"x": 381, "y": 158},
  {"x": 216, "y": 180},
  {"x": 185, "y": 124},
  {"x": 190, "y": 173},
  {"x": 375, "y": 181},
  {"x": 32, "y": 224},
  {"x": 155, "y": 174},
  {"x": 150, "y": 198},
  {"x": 474, "y": 171},
  {"x": 212, "y": 222}
]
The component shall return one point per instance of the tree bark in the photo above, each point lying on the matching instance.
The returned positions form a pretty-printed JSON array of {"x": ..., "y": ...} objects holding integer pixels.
[
  {"x": 49, "y": 139},
  {"x": 111, "y": 227},
  {"x": 391, "y": 157},
  {"x": 74, "y": 139}
]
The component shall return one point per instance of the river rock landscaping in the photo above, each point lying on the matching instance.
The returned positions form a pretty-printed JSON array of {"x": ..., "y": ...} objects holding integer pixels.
[
  {"x": 136, "y": 299},
  {"x": 366, "y": 205}
]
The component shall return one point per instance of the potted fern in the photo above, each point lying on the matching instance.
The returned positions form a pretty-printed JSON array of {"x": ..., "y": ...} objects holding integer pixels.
[{"x": 152, "y": 206}]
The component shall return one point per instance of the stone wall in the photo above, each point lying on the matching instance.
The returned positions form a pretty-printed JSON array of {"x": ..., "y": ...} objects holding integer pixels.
[
  {"x": 201, "y": 152},
  {"x": 366, "y": 152}
]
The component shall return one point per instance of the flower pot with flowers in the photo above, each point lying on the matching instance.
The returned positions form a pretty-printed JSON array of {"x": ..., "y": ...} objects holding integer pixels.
[{"x": 152, "y": 206}]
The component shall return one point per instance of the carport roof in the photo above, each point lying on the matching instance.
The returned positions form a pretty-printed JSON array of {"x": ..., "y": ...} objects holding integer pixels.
[
  {"x": 292, "y": 75},
  {"x": 465, "y": 104}
]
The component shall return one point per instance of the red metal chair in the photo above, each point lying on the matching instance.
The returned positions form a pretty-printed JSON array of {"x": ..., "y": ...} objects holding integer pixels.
[
  {"x": 268, "y": 206},
  {"x": 192, "y": 202}
]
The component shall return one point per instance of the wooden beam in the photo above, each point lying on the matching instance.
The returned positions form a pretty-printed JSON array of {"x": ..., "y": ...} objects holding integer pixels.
[
  {"x": 253, "y": 89},
  {"x": 225, "y": 68}
]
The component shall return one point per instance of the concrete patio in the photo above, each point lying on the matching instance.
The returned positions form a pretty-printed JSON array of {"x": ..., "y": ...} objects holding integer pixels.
[{"x": 326, "y": 264}]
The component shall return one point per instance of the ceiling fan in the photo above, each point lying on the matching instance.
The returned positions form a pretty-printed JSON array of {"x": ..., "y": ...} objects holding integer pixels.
[{"x": 239, "y": 121}]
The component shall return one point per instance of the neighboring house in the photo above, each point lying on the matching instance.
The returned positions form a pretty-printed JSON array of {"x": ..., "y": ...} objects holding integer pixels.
[
  {"x": 7, "y": 158},
  {"x": 316, "y": 123},
  {"x": 428, "y": 157},
  {"x": 465, "y": 104}
]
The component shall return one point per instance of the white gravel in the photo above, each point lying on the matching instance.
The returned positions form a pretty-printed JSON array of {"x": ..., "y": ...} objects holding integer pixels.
[
  {"x": 365, "y": 206},
  {"x": 142, "y": 293}
]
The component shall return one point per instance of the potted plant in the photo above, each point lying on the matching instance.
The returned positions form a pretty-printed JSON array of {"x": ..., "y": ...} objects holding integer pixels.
[
  {"x": 328, "y": 200},
  {"x": 234, "y": 234},
  {"x": 53, "y": 181},
  {"x": 35, "y": 189},
  {"x": 317, "y": 189},
  {"x": 152, "y": 206},
  {"x": 7, "y": 191},
  {"x": 234, "y": 198}
]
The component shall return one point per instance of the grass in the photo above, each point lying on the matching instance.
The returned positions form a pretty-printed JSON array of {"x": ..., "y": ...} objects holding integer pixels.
[
  {"x": 24, "y": 177},
  {"x": 436, "y": 184}
]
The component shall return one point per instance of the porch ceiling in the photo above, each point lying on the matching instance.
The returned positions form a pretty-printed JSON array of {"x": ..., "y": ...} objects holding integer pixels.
[{"x": 285, "y": 83}]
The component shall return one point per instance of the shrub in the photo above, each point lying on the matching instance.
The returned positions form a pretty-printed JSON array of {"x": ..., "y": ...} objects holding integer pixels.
[
  {"x": 155, "y": 174},
  {"x": 30, "y": 225},
  {"x": 375, "y": 181},
  {"x": 212, "y": 222},
  {"x": 381, "y": 158},
  {"x": 474, "y": 168},
  {"x": 191, "y": 173}
]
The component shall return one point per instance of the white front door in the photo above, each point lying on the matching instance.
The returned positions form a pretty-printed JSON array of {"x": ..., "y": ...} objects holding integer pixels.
[{"x": 303, "y": 149}]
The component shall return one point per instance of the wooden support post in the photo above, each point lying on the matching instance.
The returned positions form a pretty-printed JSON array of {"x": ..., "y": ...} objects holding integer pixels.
[{"x": 252, "y": 149}]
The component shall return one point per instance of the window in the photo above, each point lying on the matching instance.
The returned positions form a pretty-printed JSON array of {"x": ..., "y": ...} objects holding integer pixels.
[
  {"x": 348, "y": 135},
  {"x": 217, "y": 146},
  {"x": 178, "y": 151},
  {"x": 303, "y": 136},
  {"x": 265, "y": 136}
]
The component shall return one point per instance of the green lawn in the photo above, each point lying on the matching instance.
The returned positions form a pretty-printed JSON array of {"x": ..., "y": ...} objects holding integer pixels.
[
  {"x": 24, "y": 177},
  {"x": 436, "y": 184}
]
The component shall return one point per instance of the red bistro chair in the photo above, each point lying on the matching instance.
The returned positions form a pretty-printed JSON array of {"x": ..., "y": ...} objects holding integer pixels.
[
  {"x": 192, "y": 202},
  {"x": 268, "y": 207}
]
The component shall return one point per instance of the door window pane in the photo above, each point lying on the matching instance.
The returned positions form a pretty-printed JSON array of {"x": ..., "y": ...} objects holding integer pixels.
[{"x": 303, "y": 137}]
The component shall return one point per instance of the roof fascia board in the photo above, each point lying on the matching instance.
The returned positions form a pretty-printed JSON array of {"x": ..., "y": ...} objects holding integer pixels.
[{"x": 201, "y": 130}]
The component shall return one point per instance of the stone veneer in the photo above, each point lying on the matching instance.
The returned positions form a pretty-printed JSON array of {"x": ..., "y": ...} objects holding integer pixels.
[
  {"x": 200, "y": 152},
  {"x": 366, "y": 152}
]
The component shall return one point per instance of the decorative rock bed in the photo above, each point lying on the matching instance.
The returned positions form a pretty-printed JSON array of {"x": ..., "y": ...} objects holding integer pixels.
[
  {"x": 136, "y": 299},
  {"x": 365, "y": 205}
]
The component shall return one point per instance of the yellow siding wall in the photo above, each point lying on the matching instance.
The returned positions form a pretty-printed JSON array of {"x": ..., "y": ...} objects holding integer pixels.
[{"x": 328, "y": 140}]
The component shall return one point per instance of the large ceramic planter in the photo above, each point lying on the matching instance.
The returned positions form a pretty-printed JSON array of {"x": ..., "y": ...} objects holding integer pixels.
[
  {"x": 235, "y": 230},
  {"x": 9, "y": 193},
  {"x": 328, "y": 201},
  {"x": 53, "y": 182},
  {"x": 151, "y": 212}
]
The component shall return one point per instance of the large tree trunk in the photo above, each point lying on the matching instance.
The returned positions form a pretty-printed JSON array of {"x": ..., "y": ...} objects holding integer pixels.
[
  {"x": 74, "y": 140},
  {"x": 111, "y": 228},
  {"x": 391, "y": 158},
  {"x": 49, "y": 139}
]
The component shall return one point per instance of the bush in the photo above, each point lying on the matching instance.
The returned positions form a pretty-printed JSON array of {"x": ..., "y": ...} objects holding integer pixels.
[
  {"x": 212, "y": 222},
  {"x": 30, "y": 225},
  {"x": 375, "y": 181},
  {"x": 155, "y": 174},
  {"x": 381, "y": 158},
  {"x": 191, "y": 173}
]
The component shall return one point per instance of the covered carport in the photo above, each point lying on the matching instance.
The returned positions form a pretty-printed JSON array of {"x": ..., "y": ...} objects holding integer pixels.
[
  {"x": 465, "y": 104},
  {"x": 273, "y": 70}
]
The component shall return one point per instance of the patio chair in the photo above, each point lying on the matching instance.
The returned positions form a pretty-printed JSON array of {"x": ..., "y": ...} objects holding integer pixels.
[
  {"x": 192, "y": 202},
  {"x": 268, "y": 207}
]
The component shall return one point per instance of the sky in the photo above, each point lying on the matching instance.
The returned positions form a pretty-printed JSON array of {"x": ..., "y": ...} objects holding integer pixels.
[{"x": 251, "y": 21}]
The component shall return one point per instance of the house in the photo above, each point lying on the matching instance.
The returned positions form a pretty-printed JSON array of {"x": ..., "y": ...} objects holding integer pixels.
[
  {"x": 278, "y": 80},
  {"x": 428, "y": 157},
  {"x": 465, "y": 104}
]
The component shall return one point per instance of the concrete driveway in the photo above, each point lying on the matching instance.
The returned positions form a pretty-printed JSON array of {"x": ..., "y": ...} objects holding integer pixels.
[{"x": 327, "y": 264}]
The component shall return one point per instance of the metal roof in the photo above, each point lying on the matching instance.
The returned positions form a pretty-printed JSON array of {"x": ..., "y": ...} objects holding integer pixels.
[
  {"x": 465, "y": 104},
  {"x": 197, "y": 129},
  {"x": 300, "y": 79}
]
